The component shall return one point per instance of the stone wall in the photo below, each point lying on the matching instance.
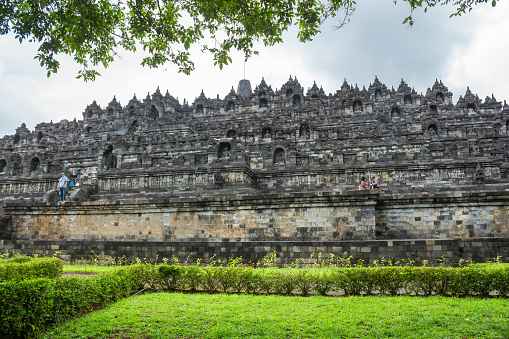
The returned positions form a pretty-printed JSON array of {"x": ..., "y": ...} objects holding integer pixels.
[
  {"x": 460, "y": 214},
  {"x": 313, "y": 216},
  {"x": 435, "y": 251},
  {"x": 367, "y": 224}
]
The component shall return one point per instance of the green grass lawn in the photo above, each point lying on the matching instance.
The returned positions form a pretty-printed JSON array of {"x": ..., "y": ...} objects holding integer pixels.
[
  {"x": 499, "y": 264},
  {"x": 174, "y": 315},
  {"x": 88, "y": 268}
]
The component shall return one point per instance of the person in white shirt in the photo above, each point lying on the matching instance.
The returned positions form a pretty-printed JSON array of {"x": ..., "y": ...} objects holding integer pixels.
[
  {"x": 374, "y": 182},
  {"x": 62, "y": 185}
]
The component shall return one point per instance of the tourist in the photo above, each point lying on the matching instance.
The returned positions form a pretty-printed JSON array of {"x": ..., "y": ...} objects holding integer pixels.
[
  {"x": 78, "y": 174},
  {"x": 374, "y": 182},
  {"x": 363, "y": 185},
  {"x": 62, "y": 185}
]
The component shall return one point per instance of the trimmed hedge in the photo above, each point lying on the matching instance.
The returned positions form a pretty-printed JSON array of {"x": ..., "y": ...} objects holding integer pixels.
[
  {"x": 389, "y": 280},
  {"x": 28, "y": 306},
  {"x": 20, "y": 259},
  {"x": 23, "y": 268}
]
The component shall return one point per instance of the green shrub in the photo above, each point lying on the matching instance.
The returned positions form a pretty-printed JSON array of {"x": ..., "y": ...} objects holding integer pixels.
[
  {"x": 171, "y": 277},
  {"x": 227, "y": 278},
  {"x": 431, "y": 280},
  {"x": 70, "y": 297},
  {"x": 193, "y": 278},
  {"x": 266, "y": 280},
  {"x": 27, "y": 306},
  {"x": 210, "y": 278},
  {"x": 170, "y": 270},
  {"x": 480, "y": 281},
  {"x": 241, "y": 276},
  {"x": 20, "y": 268},
  {"x": 350, "y": 281},
  {"x": 254, "y": 282},
  {"x": 501, "y": 279},
  {"x": 20, "y": 259},
  {"x": 305, "y": 281},
  {"x": 323, "y": 281},
  {"x": 391, "y": 279},
  {"x": 285, "y": 281}
]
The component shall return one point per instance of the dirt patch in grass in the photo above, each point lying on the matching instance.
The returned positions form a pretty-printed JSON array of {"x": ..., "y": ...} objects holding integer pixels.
[{"x": 125, "y": 333}]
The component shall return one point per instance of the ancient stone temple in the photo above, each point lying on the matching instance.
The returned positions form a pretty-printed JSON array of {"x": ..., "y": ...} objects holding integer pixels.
[{"x": 263, "y": 170}]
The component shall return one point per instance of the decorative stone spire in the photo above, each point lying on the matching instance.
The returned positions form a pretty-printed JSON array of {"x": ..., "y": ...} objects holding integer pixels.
[
  {"x": 244, "y": 89},
  {"x": 157, "y": 95},
  {"x": 403, "y": 86},
  {"x": 22, "y": 130},
  {"x": 344, "y": 86},
  {"x": 133, "y": 102},
  {"x": 91, "y": 109},
  {"x": 263, "y": 84},
  {"x": 114, "y": 105},
  {"x": 376, "y": 82}
]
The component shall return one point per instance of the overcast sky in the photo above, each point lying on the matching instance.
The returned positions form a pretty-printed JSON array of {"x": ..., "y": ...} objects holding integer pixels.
[{"x": 467, "y": 51}]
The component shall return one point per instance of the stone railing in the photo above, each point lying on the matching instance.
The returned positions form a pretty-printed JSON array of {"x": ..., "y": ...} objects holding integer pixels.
[
  {"x": 26, "y": 186},
  {"x": 418, "y": 174},
  {"x": 175, "y": 179}
]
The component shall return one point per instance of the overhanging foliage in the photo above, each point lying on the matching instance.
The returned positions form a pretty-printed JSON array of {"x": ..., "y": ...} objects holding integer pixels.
[{"x": 93, "y": 31}]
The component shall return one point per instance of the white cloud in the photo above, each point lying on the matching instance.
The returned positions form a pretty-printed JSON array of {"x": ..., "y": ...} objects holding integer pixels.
[
  {"x": 482, "y": 63},
  {"x": 466, "y": 51}
]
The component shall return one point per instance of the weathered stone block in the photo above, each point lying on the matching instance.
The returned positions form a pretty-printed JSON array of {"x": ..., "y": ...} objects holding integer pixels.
[{"x": 51, "y": 196}]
